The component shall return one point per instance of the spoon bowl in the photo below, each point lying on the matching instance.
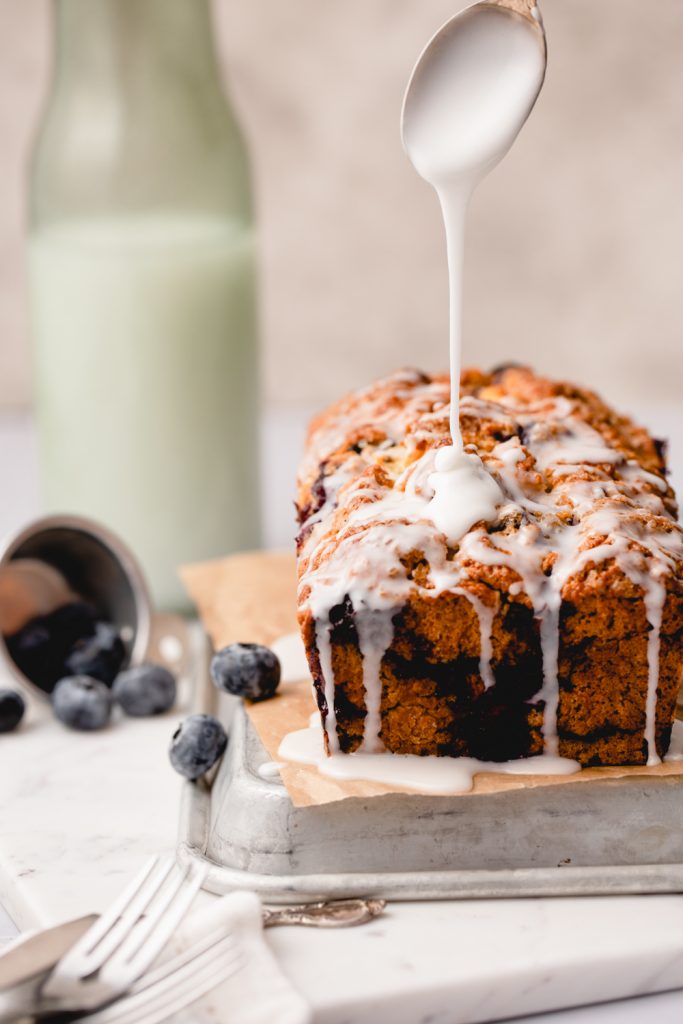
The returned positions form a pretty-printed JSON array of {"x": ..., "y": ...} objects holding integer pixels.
[{"x": 472, "y": 89}]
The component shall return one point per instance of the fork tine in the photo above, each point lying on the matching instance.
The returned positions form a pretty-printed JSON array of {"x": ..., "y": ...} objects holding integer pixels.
[
  {"x": 175, "y": 996},
  {"x": 142, "y": 899},
  {"x": 183, "y": 972},
  {"x": 111, "y": 915},
  {"x": 197, "y": 948},
  {"x": 178, "y": 999},
  {"x": 91, "y": 952},
  {"x": 77, "y": 961},
  {"x": 156, "y": 977},
  {"x": 142, "y": 946}
]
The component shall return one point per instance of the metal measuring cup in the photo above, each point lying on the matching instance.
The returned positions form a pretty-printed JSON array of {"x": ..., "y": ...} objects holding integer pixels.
[{"x": 98, "y": 568}]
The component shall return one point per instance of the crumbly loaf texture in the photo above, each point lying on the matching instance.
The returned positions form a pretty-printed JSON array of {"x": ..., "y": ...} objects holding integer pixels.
[{"x": 461, "y": 634}]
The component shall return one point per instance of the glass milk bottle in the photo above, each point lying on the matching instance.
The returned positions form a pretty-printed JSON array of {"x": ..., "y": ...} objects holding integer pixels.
[{"x": 142, "y": 272}]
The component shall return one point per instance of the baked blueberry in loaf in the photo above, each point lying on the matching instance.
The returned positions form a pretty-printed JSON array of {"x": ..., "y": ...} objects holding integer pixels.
[{"x": 554, "y": 628}]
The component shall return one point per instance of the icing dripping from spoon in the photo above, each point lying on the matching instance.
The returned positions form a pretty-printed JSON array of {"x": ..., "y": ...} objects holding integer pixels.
[{"x": 469, "y": 95}]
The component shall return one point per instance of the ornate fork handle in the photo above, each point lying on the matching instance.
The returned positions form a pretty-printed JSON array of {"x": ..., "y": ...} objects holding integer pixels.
[{"x": 328, "y": 914}]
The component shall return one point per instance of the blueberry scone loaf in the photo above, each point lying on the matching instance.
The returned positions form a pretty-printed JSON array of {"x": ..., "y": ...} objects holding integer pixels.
[{"x": 554, "y": 628}]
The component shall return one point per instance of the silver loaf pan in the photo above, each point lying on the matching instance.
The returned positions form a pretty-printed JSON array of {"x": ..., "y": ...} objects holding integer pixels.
[{"x": 615, "y": 836}]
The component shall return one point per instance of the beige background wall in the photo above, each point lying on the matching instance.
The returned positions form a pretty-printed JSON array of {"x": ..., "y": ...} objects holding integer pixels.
[{"x": 574, "y": 254}]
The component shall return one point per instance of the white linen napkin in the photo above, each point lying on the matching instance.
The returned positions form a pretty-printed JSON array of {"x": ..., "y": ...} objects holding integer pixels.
[{"x": 258, "y": 992}]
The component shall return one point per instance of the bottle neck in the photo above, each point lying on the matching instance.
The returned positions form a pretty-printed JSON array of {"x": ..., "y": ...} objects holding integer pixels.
[
  {"x": 130, "y": 42},
  {"x": 136, "y": 118}
]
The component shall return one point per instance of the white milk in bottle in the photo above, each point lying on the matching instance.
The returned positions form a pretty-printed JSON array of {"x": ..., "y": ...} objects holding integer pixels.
[{"x": 142, "y": 272}]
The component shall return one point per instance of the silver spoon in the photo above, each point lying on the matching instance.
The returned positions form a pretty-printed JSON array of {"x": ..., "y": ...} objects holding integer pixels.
[{"x": 472, "y": 88}]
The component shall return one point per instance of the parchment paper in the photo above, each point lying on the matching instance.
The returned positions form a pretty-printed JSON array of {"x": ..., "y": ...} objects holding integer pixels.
[{"x": 252, "y": 598}]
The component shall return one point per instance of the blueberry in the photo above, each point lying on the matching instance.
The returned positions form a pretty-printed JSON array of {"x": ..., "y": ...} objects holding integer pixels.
[
  {"x": 32, "y": 651},
  {"x": 246, "y": 670},
  {"x": 71, "y": 623},
  {"x": 40, "y": 648},
  {"x": 12, "y": 708},
  {"x": 100, "y": 656},
  {"x": 196, "y": 745},
  {"x": 82, "y": 702},
  {"x": 147, "y": 690}
]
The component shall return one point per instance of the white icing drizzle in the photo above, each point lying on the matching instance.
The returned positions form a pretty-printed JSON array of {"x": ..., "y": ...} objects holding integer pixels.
[
  {"x": 655, "y": 596},
  {"x": 270, "y": 770},
  {"x": 436, "y": 775},
  {"x": 550, "y": 647},
  {"x": 375, "y": 633},
  {"x": 486, "y": 614},
  {"x": 464, "y": 492},
  {"x": 510, "y": 453},
  {"x": 469, "y": 96},
  {"x": 580, "y": 445}
]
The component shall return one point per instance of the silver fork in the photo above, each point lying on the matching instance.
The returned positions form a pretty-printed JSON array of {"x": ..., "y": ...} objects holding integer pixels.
[
  {"x": 177, "y": 983},
  {"x": 125, "y": 940}
]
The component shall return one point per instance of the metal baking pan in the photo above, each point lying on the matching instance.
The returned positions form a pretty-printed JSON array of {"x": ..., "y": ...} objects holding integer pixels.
[{"x": 615, "y": 836}]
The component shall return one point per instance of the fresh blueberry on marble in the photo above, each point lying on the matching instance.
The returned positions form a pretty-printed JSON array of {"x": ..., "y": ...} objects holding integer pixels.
[
  {"x": 82, "y": 702},
  {"x": 246, "y": 670},
  {"x": 100, "y": 656},
  {"x": 196, "y": 745},
  {"x": 146, "y": 690},
  {"x": 12, "y": 708}
]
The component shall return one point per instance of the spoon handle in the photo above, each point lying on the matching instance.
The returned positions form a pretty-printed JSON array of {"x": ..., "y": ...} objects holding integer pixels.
[
  {"x": 525, "y": 7},
  {"x": 331, "y": 914}
]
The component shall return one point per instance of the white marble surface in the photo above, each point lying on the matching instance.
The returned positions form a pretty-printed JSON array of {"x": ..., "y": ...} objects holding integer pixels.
[
  {"x": 8, "y": 929},
  {"x": 481, "y": 961},
  {"x": 78, "y": 813}
]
